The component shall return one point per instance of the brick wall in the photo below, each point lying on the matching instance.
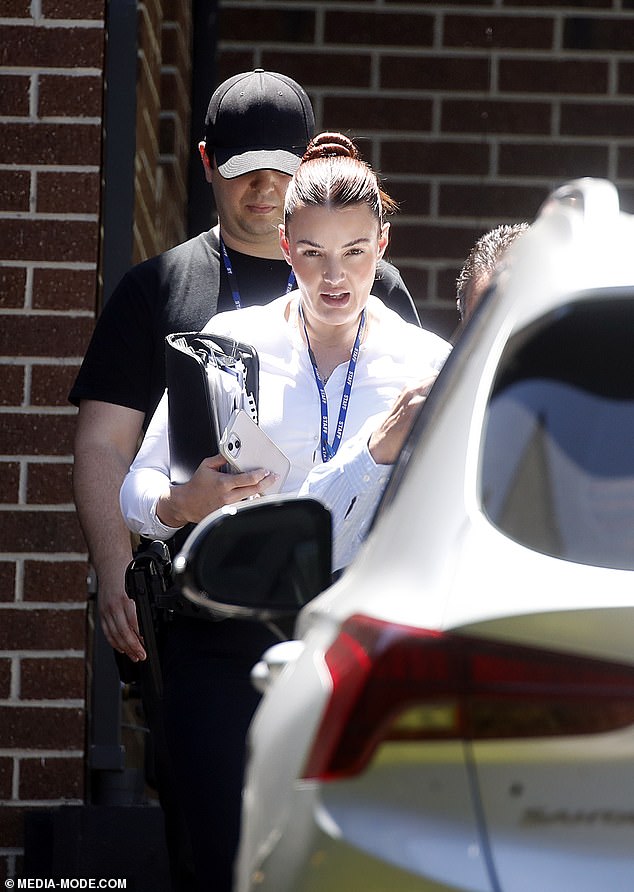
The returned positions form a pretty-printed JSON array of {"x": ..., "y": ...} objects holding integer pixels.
[
  {"x": 163, "y": 88},
  {"x": 471, "y": 110},
  {"x": 50, "y": 142},
  {"x": 51, "y": 85}
]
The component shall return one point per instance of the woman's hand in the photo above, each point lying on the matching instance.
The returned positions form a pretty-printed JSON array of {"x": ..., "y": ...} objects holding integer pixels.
[
  {"x": 209, "y": 489},
  {"x": 387, "y": 440}
]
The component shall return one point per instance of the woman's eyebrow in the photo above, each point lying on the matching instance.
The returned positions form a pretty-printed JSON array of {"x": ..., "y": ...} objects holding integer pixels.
[{"x": 356, "y": 241}]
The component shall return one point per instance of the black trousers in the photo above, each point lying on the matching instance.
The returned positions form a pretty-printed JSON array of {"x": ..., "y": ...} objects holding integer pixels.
[{"x": 208, "y": 704}]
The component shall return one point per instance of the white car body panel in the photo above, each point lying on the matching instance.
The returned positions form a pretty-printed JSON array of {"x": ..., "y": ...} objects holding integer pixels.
[{"x": 558, "y": 813}]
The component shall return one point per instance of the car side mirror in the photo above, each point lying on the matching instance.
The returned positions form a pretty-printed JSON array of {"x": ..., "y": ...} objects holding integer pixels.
[{"x": 262, "y": 559}]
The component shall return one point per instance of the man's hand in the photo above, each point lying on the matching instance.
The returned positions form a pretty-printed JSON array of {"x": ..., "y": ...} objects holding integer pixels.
[
  {"x": 118, "y": 613},
  {"x": 209, "y": 489},
  {"x": 105, "y": 442},
  {"x": 387, "y": 440}
]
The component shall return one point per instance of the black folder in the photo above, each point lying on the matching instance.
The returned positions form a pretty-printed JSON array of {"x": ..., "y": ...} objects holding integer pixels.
[{"x": 194, "y": 428}]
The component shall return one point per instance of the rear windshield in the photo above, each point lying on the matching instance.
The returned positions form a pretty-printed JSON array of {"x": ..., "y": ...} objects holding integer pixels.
[{"x": 557, "y": 464}]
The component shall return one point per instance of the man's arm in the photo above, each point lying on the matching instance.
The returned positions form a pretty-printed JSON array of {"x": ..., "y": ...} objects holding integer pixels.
[{"x": 106, "y": 438}]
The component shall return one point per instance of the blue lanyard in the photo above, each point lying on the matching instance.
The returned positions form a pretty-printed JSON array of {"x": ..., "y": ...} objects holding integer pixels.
[
  {"x": 329, "y": 450},
  {"x": 235, "y": 292}
]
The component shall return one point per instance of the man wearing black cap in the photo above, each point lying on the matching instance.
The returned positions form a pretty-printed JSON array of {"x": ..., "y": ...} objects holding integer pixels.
[{"x": 256, "y": 129}]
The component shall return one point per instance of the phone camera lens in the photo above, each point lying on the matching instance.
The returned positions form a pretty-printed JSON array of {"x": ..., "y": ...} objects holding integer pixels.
[{"x": 238, "y": 443}]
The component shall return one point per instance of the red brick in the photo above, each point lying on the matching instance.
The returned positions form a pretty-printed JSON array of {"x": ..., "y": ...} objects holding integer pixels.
[
  {"x": 5, "y": 691},
  {"x": 498, "y": 31},
  {"x": 12, "y": 391},
  {"x": 41, "y": 727},
  {"x": 9, "y": 482},
  {"x": 51, "y": 47},
  {"x": 495, "y": 116},
  {"x": 12, "y": 284},
  {"x": 590, "y": 33},
  {"x": 556, "y": 161},
  {"x": 14, "y": 94},
  {"x": 15, "y": 188},
  {"x": 36, "y": 434},
  {"x": 230, "y": 62},
  {"x": 433, "y": 241},
  {"x": 363, "y": 113},
  {"x": 576, "y": 4},
  {"x": 45, "y": 629},
  {"x": 625, "y": 164},
  {"x": 6, "y": 777},
  {"x": 44, "y": 335},
  {"x": 7, "y": 581},
  {"x": 53, "y": 678},
  {"x": 412, "y": 198},
  {"x": 434, "y": 157},
  {"x": 434, "y": 73},
  {"x": 48, "y": 778},
  {"x": 173, "y": 90},
  {"x": 73, "y": 9},
  {"x": 48, "y": 532},
  {"x": 446, "y": 282},
  {"x": 442, "y": 321},
  {"x": 49, "y": 240},
  {"x": 270, "y": 25},
  {"x": 553, "y": 76},
  {"x": 12, "y": 824},
  {"x": 64, "y": 289},
  {"x": 16, "y": 9},
  {"x": 55, "y": 581},
  {"x": 416, "y": 279},
  {"x": 602, "y": 119},
  {"x": 51, "y": 144},
  {"x": 503, "y": 202},
  {"x": 74, "y": 97},
  {"x": 626, "y": 77},
  {"x": 378, "y": 28},
  {"x": 319, "y": 69},
  {"x": 174, "y": 46},
  {"x": 49, "y": 483},
  {"x": 68, "y": 193},
  {"x": 50, "y": 384},
  {"x": 167, "y": 135}
]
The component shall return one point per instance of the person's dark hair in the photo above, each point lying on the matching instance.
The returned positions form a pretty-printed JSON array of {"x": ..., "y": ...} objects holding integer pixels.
[
  {"x": 481, "y": 263},
  {"x": 332, "y": 174}
]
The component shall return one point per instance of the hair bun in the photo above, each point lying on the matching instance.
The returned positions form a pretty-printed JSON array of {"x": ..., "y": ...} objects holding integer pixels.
[{"x": 330, "y": 145}]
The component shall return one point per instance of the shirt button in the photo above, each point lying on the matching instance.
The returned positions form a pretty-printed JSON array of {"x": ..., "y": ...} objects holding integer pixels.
[{"x": 366, "y": 478}]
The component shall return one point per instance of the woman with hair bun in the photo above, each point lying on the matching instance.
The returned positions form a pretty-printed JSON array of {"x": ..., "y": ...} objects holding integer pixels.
[
  {"x": 333, "y": 361},
  {"x": 332, "y": 356}
]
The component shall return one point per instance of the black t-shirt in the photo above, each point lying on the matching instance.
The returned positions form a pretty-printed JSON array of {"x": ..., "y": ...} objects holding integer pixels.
[{"x": 180, "y": 290}]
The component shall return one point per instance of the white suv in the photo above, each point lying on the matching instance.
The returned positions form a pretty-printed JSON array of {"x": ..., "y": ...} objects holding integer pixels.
[{"x": 457, "y": 711}]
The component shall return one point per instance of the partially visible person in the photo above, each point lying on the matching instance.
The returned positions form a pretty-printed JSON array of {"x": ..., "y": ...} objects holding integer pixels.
[
  {"x": 332, "y": 355},
  {"x": 478, "y": 268},
  {"x": 256, "y": 129}
]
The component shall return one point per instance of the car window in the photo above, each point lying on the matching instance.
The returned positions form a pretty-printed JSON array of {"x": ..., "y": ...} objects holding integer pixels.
[{"x": 557, "y": 463}]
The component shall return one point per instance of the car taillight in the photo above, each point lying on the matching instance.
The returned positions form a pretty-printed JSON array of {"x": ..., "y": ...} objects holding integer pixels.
[{"x": 393, "y": 682}]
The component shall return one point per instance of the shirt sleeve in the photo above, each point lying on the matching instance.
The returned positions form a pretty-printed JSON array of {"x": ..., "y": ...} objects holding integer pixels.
[
  {"x": 350, "y": 485},
  {"x": 147, "y": 480}
]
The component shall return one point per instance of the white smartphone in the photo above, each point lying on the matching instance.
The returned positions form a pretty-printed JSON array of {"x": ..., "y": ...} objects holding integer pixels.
[{"x": 246, "y": 447}]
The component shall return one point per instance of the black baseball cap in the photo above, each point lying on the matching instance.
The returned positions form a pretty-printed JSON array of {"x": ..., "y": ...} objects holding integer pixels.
[{"x": 258, "y": 120}]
